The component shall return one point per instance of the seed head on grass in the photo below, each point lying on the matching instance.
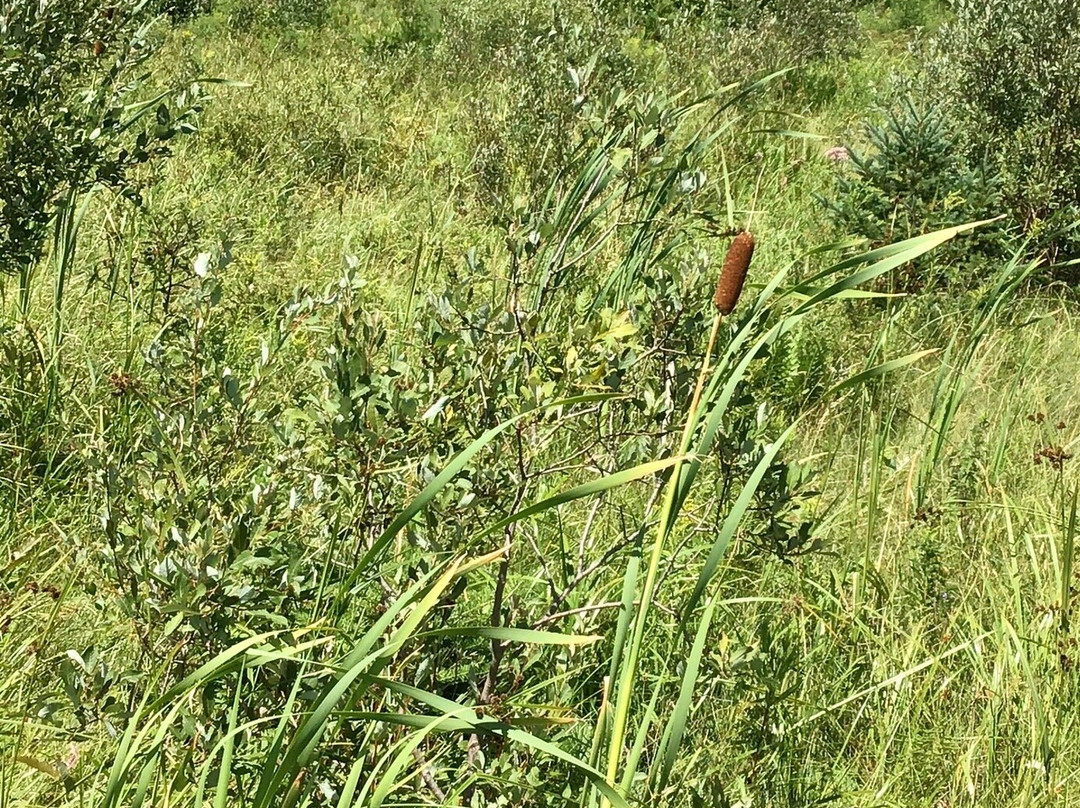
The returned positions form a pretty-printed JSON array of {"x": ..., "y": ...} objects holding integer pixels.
[{"x": 733, "y": 275}]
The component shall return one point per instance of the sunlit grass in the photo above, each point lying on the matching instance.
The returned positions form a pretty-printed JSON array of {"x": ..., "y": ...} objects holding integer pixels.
[{"x": 594, "y": 626}]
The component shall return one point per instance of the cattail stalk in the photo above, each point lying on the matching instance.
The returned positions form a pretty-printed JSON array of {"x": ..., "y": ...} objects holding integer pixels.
[{"x": 728, "y": 288}]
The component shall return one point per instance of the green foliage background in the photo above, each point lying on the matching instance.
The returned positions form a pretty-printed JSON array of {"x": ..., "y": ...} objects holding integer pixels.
[{"x": 364, "y": 441}]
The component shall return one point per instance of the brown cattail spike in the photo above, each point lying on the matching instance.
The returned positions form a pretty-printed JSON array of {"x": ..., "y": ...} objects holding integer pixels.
[{"x": 733, "y": 275}]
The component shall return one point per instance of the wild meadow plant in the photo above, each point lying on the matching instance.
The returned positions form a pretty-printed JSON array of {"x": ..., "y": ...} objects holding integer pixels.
[{"x": 529, "y": 533}]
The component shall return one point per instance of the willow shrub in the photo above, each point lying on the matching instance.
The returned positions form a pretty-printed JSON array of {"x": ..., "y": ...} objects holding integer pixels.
[{"x": 1008, "y": 73}]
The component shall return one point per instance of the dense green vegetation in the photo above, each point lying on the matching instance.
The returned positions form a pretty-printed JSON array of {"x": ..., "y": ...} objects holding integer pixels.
[{"x": 368, "y": 434}]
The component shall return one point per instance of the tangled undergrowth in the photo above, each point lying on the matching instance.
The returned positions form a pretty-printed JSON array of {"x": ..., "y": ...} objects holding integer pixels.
[{"x": 413, "y": 418}]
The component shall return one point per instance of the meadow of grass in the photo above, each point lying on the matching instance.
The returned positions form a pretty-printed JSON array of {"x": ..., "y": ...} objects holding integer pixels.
[{"x": 381, "y": 454}]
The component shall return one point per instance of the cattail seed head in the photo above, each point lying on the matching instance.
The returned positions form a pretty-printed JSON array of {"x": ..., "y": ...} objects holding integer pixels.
[{"x": 733, "y": 275}]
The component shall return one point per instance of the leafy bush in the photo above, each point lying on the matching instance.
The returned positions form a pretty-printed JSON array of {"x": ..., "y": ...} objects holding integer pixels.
[
  {"x": 808, "y": 29},
  {"x": 1008, "y": 71},
  {"x": 328, "y": 132},
  {"x": 247, "y": 15},
  {"x": 778, "y": 32},
  {"x": 914, "y": 179},
  {"x": 905, "y": 14},
  {"x": 531, "y": 66},
  {"x": 23, "y": 413},
  {"x": 536, "y": 68},
  {"x": 420, "y": 21},
  {"x": 190, "y": 547},
  {"x": 180, "y": 10},
  {"x": 66, "y": 120}
]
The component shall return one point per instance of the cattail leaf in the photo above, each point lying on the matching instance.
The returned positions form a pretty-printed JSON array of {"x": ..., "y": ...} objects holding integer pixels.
[
  {"x": 389, "y": 777},
  {"x": 619, "y": 652},
  {"x": 734, "y": 519},
  {"x": 510, "y": 634},
  {"x": 220, "y": 664},
  {"x": 849, "y": 294},
  {"x": 221, "y": 795},
  {"x": 730, "y": 379},
  {"x": 349, "y": 789},
  {"x": 432, "y": 489},
  {"x": 494, "y": 727},
  {"x": 285, "y": 722},
  {"x": 350, "y": 683},
  {"x": 208, "y": 767},
  {"x": 880, "y": 370},
  {"x": 681, "y": 714},
  {"x": 876, "y": 263},
  {"x": 644, "y": 733},
  {"x": 448, "y": 724},
  {"x": 588, "y": 489}
]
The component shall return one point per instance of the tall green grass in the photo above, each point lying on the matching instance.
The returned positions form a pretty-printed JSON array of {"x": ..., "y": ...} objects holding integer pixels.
[{"x": 625, "y": 635}]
